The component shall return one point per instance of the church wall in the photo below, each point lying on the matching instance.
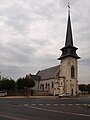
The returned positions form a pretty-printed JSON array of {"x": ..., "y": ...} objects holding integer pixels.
[
  {"x": 53, "y": 86},
  {"x": 65, "y": 70},
  {"x": 47, "y": 85},
  {"x": 59, "y": 86}
]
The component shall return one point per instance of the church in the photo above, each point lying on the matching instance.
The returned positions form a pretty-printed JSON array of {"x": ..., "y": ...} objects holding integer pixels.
[{"x": 64, "y": 77}]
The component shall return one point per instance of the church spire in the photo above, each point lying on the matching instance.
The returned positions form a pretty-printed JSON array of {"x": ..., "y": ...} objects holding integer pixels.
[
  {"x": 69, "y": 38},
  {"x": 69, "y": 49}
]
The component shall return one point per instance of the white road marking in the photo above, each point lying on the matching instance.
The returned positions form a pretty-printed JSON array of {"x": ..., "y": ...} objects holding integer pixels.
[
  {"x": 84, "y": 104},
  {"x": 77, "y": 104},
  {"x": 25, "y": 104},
  {"x": 55, "y": 111},
  {"x": 11, "y": 117},
  {"x": 62, "y": 104},
  {"x": 55, "y": 104},
  {"x": 33, "y": 104},
  {"x": 40, "y": 104},
  {"x": 48, "y": 104},
  {"x": 69, "y": 104}
]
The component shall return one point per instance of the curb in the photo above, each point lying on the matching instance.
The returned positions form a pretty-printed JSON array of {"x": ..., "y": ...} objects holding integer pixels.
[{"x": 47, "y": 97}]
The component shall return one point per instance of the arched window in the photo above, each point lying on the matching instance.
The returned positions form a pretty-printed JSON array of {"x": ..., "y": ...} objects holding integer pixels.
[
  {"x": 72, "y": 71},
  {"x": 52, "y": 85}
]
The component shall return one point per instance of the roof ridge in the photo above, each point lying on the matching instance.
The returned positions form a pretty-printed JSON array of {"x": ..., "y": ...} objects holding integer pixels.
[{"x": 48, "y": 68}]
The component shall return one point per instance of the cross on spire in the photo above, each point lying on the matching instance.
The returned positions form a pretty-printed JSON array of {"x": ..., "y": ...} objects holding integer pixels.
[
  {"x": 69, "y": 7},
  {"x": 69, "y": 4}
]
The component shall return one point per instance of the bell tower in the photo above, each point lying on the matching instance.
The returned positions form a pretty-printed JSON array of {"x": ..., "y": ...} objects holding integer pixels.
[{"x": 69, "y": 61}]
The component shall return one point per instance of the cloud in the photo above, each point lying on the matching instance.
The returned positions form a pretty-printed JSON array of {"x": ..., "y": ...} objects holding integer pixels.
[{"x": 33, "y": 31}]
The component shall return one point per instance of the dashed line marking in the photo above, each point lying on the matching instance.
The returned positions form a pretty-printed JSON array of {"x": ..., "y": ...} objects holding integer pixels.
[
  {"x": 70, "y": 104},
  {"x": 77, "y": 104},
  {"x": 33, "y": 104},
  {"x": 48, "y": 104},
  {"x": 62, "y": 104},
  {"x": 84, "y": 104},
  {"x": 25, "y": 104},
  {"x": 40, "y": 104},
  {"x": 55, "y": 104}
]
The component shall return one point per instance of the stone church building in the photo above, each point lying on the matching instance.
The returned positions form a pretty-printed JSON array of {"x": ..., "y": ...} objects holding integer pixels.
[{"x": 64, "y": 77}]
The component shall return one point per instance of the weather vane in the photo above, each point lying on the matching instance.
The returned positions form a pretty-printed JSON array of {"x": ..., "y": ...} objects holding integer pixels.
[{"x": 69, "y": 6}]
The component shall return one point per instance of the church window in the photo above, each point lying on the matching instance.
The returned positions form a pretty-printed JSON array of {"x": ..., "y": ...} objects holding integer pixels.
[
  {"x": 40, "y": 86},
  {"x": 61, "y": 83},
  {"x": 52, "y": 85},
  {"x": 72, "y": 72},
  {"x": 46, "y": 86}
]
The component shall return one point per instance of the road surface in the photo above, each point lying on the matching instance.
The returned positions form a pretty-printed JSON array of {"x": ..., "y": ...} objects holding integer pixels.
[{"x": 45, "y": 109}]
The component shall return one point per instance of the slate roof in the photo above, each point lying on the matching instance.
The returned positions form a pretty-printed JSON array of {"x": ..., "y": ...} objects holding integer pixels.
[
  {"x": 49, "y": 73},
  {"x": 35, "y": 77},
  {"x": 69, "y": 38}
]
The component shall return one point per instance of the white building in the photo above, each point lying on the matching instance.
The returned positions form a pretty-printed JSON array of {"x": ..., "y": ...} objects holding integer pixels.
[{"x": 64, "y": 77}]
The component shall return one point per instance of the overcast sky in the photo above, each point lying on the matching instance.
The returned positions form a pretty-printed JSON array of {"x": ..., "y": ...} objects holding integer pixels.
[{"x": 33, "y": 31}]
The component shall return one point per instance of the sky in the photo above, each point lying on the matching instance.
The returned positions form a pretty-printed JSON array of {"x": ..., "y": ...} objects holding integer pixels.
[{"x": 33, "y": 31}]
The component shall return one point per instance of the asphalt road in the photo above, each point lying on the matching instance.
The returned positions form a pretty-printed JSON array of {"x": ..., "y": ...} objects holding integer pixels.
[{"x": 45, "y": 109}]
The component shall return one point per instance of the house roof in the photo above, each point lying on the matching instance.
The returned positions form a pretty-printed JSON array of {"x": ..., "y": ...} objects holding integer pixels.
[{"x": 49, "y": 73}]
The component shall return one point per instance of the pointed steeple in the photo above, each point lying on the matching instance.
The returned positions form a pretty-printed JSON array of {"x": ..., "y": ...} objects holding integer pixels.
[
  {"x": 69, "y": 49},
  {"x": 69, "y": 38}
]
